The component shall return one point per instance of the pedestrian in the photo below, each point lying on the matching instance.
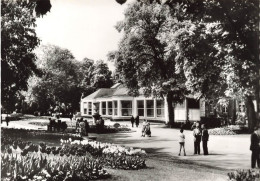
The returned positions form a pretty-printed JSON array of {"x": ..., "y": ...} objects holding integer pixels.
[
  {"x": 82, "y": 130},
  {"x": 254, "y": 147},
  {"x": 197, "y": 139},
  {"x": 137, "y": 121},
  {"x": 148, "y": 129},
  {"x": 193, "y": 126},
  {"x": 132, "y": 121},
  {"x": 86, "y": 127},
  {"x": 144, "y": 127},
  {"x": 7, "y": 120},
  {"x": 182, "y": 142},
  {"x": 205, "y": 139},
  {"x": 71, "y": 116}
]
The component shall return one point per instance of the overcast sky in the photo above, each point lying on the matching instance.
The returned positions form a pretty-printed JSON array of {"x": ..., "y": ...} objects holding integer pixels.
[{"x": 85, "y": 27}]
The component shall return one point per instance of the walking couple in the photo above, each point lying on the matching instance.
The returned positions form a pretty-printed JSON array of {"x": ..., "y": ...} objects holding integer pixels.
[
  {"x": 199, "y": 134},
  {"x": 135, "y": 121}
]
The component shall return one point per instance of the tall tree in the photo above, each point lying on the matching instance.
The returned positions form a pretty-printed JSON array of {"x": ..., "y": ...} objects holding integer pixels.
[
  {"x": 59, "y": 81},
  {"x": 94, "y": 76},
  {"x": 144, "y": 60},
  {"x": 18, "y": 39},
  {"x": 220, "y": 52}
]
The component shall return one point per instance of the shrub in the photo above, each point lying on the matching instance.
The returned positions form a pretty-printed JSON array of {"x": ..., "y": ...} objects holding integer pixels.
[
  {"x": 244, "y": 175},
  {"x": 116, "y": 125},
  {"x": 211, "y": 122}
]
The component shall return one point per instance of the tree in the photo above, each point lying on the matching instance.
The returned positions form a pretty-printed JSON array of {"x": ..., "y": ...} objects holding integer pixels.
[
  {"x": 101, "y": 76},
  {"x": 59, "y": 81},
  {"x": 220, "y": 52},
  {"x": 143, "y": 59},
  {"x": 18, "y": 39},
  {"x": 94, "y": 76}
]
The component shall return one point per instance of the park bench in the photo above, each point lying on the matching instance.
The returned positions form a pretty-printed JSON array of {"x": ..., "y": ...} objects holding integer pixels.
[{"x": 56, "y": 126}]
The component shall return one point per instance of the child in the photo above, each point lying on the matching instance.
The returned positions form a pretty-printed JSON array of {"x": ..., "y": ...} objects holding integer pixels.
[{"x": 182, "y": 142}]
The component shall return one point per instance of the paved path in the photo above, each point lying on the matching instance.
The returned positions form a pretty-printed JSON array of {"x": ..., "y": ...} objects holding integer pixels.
[{"x": 226, "y": 152}]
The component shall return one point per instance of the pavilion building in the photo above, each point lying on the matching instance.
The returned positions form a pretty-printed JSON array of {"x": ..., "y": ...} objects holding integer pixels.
[{"x": 116, "y": 104}]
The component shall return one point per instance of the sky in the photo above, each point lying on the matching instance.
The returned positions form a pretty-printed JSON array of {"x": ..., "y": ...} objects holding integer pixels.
[{"x": 85, "y": 27}]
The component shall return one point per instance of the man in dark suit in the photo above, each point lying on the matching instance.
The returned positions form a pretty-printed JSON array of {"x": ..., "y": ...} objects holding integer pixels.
[
  {"x": 205, "y": 139},
  {"x": 254, "y": 147},
  {"x": 197, "y": 139}
]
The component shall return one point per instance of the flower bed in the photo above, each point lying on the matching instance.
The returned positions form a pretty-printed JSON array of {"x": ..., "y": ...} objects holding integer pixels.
[
  {"x": 47, "y": 167},
  {"x": 40, "y": 123},
  {"x": 22, "y": 160},
  {"x": 74, "y": 160},
  {"x": 111, "y": 155},
  {"x": 92, "y": 128},
  {"x": 221, "y": 131},
  {"x": 37, "y": 134},
  {"x": 244, "y": 175}
]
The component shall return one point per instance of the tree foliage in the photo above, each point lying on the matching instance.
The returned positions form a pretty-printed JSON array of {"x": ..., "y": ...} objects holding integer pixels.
[
  {"x": 64, "y": 80},
  {"x": 144, "y": 59},
  {"x": 220, "y": 52},
  {"x": 213, "y": 43},
  {"x": 18, "y": 39}
]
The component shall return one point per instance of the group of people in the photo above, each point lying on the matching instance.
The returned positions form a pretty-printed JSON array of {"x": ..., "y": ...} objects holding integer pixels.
[
  {"x": 146, "y": 129},
  {"x": 199, "y": 134},
  {"x": 135, "y": 121},
  {"x": 55, "y": 124},
  {"x": 82, "y": 127}
]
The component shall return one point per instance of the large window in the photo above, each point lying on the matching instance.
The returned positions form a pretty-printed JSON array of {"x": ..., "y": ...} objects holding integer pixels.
[
  {"x": 193, "y": 104},
  {"x": 160, "y": 108},
  {"x": 224, "y": 109},
  {"x": 104, "y": 108},
  {"x": 150, "y": 108},
  {"x": 89, "y": 108},
  {"x": 85, "y": 107},
  {"x": 211, "y": 109},
  {"x": 126, "y": 108},
  {"x": 140, "y": 108},
  {"x": 110, "y": 108},
  {"x": 115, "y": 108}
]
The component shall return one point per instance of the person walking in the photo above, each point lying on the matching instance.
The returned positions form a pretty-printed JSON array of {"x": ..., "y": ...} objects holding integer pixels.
[
  {"x": 182, "y": 142},
  {"x": 144, "y": 127},
  {"x": 132, "y": 121},
  {"x": 254, "y": 147},
  {"x": 205, "y": 139},
  {"x": 197, "y": 139},
  {"x": 137, "y": 121},
  {"x": 7, "y": 120}
]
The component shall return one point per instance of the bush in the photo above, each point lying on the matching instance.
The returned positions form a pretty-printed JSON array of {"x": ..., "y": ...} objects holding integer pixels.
[
  {"x": 211, "y": 122},
  {"x": 116, "y": 125},
  {"x": 244, "y": 175},
  {"x": 186, "y": 125}
]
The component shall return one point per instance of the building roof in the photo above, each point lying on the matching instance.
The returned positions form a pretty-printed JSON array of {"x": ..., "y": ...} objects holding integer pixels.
[
  {"x": 103, "y": 92},
  {"x": 116, "y": 90}
]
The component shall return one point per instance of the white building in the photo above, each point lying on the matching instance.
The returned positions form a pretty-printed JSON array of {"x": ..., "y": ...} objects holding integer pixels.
[{"x": 115, "y": 103}]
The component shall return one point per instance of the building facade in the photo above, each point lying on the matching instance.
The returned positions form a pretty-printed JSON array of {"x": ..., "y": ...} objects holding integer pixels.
[{"x": 116, "y": 104}]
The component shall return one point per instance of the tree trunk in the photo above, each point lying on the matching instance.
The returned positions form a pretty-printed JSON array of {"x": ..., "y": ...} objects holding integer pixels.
[
  {"x": 234, "y": 110},
  {"x": 170, "y": 109},
  {"x": 251, "y": 115}
]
